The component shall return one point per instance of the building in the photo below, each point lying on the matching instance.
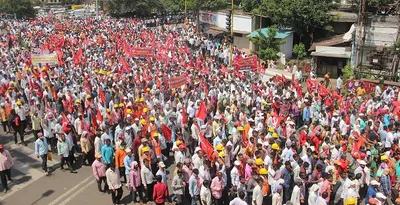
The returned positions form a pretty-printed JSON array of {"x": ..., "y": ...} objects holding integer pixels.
[
  {"x": 214, "y": 24},
  {"x": 284, "y": 35}
]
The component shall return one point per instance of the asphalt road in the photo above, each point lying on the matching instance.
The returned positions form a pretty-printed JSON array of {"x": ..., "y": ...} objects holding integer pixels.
[{"x": 31, "y": 186}]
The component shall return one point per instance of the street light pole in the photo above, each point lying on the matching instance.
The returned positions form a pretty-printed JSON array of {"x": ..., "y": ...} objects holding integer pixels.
[{"x": 233, "y": 38}]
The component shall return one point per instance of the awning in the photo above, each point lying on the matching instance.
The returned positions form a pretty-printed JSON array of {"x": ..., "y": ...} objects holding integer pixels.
[
  {"x": 335, "y": 40},
  {"x": 332, "y": 55},
  {"x": 214, "y": 32}
]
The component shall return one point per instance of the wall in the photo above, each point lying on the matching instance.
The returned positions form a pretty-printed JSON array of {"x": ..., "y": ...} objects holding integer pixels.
[
  {"x": 241, "y": 23},
  {"x": 380, "y": 31},
  {"x": 288, "y": 46}
]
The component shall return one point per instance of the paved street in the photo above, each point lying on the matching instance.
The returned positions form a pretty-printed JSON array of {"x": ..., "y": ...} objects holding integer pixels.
[{"x": 32, "y": 187}]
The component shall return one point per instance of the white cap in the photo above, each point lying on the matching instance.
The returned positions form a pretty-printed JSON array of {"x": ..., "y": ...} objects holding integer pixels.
[
  {"x": 128, "y": 150},
  {"x": 380, "y": 195},
  {"x": 197, "y": 149},
  {"x": 161, "y": 164},
  {"x": 362, "y": 162},
  {"x": 375, "y": 183},
  {"x": 250, "y": 120},
  {"x": 237, "y": 163}
]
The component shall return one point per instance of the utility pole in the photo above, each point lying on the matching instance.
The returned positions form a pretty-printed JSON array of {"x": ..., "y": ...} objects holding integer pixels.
[
  {"x": 232, "y": 38},
  {"x": 361, "y": 36}
]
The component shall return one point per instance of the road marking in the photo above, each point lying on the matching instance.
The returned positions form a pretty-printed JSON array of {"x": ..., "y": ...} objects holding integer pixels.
[
  {"x": 56, "y": 201},
  {"x": 76, "y": 193},
  {"x": 28, "y": 171}
]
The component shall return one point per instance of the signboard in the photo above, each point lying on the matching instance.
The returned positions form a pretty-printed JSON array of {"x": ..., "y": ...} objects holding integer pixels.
[
  {"x": 208, "y": 18},
  {"x": 243, "y": 64},
  {"x": 75, "y": 7},
  {"x": 177, "y": 82},
  {"x": 51, "y": 59},
  {"x": 142, "y": 52}
]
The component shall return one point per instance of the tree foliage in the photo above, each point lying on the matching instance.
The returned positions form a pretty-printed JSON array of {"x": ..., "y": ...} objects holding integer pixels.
[
  {"x": 303, "y": 16},
  {"x": 269, "y": 47},
  {"x": 250, "y": 5},
  {"x": 120, "y": 8},
  {"x": 21, "y": 8},
  {"x": 299, "y": 50}
]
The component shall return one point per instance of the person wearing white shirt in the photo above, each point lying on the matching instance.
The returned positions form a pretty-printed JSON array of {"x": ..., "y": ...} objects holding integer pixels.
[
  {"x": 339, "y": 84},
  {"x": 277, "y": 196},
  {"x": 257, "y": 193},
  {"x": 205, "y": 193},
  {"x": 239, "y": 200},
  {"x": 389, "y": 140}
]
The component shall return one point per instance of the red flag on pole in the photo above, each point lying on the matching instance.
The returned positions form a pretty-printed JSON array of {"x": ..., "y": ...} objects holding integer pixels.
[
  {"x": 202, "y": 111},
  {"x": 166, "y": 132},
  {"x": 206, "y": 146},
  {"x": 102, "y": 96},
  {"x": 184, "y": 116},
  {"x": 78, "y": 56}
]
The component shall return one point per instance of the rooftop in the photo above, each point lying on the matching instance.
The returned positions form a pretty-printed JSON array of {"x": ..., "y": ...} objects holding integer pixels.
[{"x": 280, "y": 33}]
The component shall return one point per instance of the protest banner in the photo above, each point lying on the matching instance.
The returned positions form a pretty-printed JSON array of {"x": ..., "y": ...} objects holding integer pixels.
[
  {"x": 142, "y": 52},
  {"x": 51, "y": 59},
  {"x": 243, "y": 64},
  {"x": 177, "y": 82}
]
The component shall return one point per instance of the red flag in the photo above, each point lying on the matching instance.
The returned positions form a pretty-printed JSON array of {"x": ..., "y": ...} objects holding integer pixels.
[
  {"x": 102, "y": 96},
  {"x": 99, "y": 117},
  {"x": 206, "y": 146},
  {"x": 323, "y": 91},
  {"x": 78, "y": 55},
  {"x": 184, "y": 116},
  {"x": 202, "y": 111},
  {"x": 166, "y": 132},
  {"x": 125, "y": 66}
]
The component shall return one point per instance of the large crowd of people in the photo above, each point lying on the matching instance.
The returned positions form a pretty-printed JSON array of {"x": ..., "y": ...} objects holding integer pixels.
[{"x": 232, "y": 138}]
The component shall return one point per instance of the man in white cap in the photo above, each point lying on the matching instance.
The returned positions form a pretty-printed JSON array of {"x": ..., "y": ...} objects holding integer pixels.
[
  {"x": 161, "y": 172},
  {"x": 372, "y": 190},
  {"x": 365, "y": 177},
  {"x": 235, "y": 178},
  {"x": 128, "y": 159},
  {"x": 381, "y": 197}
]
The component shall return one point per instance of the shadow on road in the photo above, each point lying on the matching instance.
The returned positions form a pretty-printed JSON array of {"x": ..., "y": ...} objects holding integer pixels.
[{"x": 44, "y": 195}]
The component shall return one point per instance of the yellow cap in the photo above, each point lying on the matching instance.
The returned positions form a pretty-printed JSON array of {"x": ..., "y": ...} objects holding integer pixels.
[
  {"x": 141, "y": 100},
  {"x": 384, "y": 157},
  {"x": 145, "y": 149},
  {"x": 275, "y": 135},
  {"x": 96, "y": 71},
  {"x": 351, "y": 201},
  {"x": 259, "y": 161},
  {"x": 155, "y": 134},
  {"x": 108, "y": 73},
  {"x": 271, "y": 129},
  {"x": 143, "y": 121},
  {"x": 326, "y": 76},
  {"x": 263, "y": 171},
  {"x": 18, "y": 102},
  {"x": 108, "y": 110},
  {"x": 178, "y": 143},
  {"x": 121, "y": 105},
  {"x": 219, "y": 147},
  {"x": 115, "y": 105},
  {"x": 147, "y": 89},
  {"x": 88, "y": 96},
  {"x": 240, "y": 128},
  {"x": 152, "y": 119},
  {"x": 137, "y": 100},
  {"x": 145, "y": 109},
  {"x": 129, "y": 111},
  {"x": 222, "y": 154},
  {"x": 27, "y": 68},
  {"x": 275, "y": 146},
  {"x": 78, "y": 101},
  {"x": 44, "y": 69}
]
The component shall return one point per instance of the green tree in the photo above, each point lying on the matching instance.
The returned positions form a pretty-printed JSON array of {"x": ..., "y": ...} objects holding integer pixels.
[
  {"x": 303, "y": 16},
  {"x": 21, "y": 8},
  {"x": 250, "y": 5},
  {"x": 205, "y": 5},
  {"x": 299, "y": 50},
  {"x": 268, "y": 45},
  {"x": 121, "y": 8},
  {"x": 172, "y": 6}
]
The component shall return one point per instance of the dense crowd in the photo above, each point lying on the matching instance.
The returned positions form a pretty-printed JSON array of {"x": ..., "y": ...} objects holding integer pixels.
[{"x": 233, "y": 138}]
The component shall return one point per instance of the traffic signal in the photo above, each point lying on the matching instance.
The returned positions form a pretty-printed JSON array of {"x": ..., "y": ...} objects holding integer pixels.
[
  {"x": 229, "y": 20},
  {"x": 230, "y": 39}
]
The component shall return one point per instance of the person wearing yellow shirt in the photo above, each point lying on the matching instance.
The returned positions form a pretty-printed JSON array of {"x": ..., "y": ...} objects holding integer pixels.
[
  {"x": 4, "y": 118},
  {"x": 360, "y": 91}
]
